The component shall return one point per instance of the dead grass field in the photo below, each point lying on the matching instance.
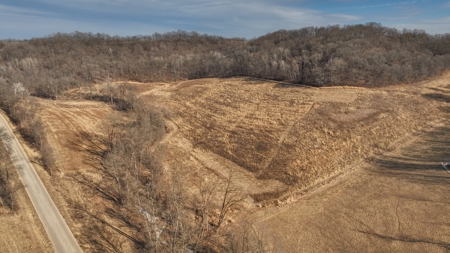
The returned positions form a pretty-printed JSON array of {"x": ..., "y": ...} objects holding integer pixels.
[
  {"x": 22, "y": 231},
  {"x": 76, "y": 159},
  {"x": 398, "y": 202},
  {"x": 282, "y": 141},
  {"x": 288, "y": 141},
  {"x": 64, "y": 122},
  {"x": 288, "y": 137}
]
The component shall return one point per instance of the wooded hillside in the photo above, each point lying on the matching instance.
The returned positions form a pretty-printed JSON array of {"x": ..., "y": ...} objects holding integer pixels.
[
  {"x": 363, "y": 55},
  {"x": 239, "y": 143}
]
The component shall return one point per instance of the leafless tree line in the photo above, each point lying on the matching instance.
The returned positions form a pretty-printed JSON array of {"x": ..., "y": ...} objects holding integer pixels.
[
  {"x": 364, "y": 55},
  {"x": 150, "y": 198},
  {"x": 8, "y": 177},
  {"x": 146, "y": 196},
  {"x": 23, "y": 111}
]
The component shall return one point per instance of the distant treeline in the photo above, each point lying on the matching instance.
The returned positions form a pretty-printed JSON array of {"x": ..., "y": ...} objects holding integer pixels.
[{"x": 363, "y": 55}]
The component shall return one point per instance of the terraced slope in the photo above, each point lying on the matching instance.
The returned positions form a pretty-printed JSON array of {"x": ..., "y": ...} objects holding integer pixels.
[{"x": 295, "y": 135}]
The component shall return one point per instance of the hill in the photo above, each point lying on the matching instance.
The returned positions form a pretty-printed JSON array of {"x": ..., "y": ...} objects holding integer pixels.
[
  {"x": 185, "y": 141},
  {"x": 358, "y": 55}
]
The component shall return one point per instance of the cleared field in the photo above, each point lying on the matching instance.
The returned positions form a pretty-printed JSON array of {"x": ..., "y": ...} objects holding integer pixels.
[
  {"x": 77, "y": 166},
  {"x": 64, "y": 122},
  {"x": 398, "y": 202},
  {"x": 290, "y": 137},
  {"x": 22, "y": 231},
  {"x": 370, "y": 157},
  {"x": 281, "y": 141}
]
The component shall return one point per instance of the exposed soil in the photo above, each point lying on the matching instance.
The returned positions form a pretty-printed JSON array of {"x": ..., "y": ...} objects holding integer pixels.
[{"x": 65, "y": 121}]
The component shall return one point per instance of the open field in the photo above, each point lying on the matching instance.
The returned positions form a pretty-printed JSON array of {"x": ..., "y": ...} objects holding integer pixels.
[
  {"x": 289, "y": 137},
  {"x": 281, "y": 141},
  {"x": 65, "y": 121},
  {"x": 22, "y": 230},
  {"x": 397, "y": 202},
  {"x": 285, "y": 138},
  {"x": 77, "y": 165}
]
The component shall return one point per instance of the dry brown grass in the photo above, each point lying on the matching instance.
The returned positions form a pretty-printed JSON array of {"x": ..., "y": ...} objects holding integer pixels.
[
  {"x": 293, "y": 134},
  {"x": 277, "y": 138},
  {"x": 64, "y": 122},
  {"x": 398, "y": 202},
  {"x": 78, "y": 170}
]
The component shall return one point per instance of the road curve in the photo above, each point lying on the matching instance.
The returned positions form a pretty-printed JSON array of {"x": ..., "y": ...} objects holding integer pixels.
[{"x": 54, "y": 224}]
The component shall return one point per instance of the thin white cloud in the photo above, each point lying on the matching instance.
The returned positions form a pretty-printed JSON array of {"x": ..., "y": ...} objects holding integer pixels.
[
  {"x": 387, "y": 5},
  {"x": 265, "y": 16},
  {"x": 31, "y": 26},
  {"x": 15, "y": 11},
  {"x": 432, "y": 26},
  {"x": 229, "y": 18},
  {"x": 392, "y": 4},
  {"x": 345, "y": 17},
  {"x": 447, "y": 5}
]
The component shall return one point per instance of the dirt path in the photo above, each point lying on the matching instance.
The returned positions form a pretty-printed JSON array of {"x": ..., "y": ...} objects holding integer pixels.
[
  {"x": 273, "y": 135},
  {"x": 283, "y": 137},
  {"x": 54, "y": 224}
]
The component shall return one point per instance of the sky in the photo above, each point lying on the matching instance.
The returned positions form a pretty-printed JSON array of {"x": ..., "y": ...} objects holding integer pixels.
[{"x": 25, "y": 19}]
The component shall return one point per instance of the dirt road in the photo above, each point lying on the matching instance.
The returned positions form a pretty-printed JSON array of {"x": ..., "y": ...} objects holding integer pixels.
[{"x": 54, "y": 224}]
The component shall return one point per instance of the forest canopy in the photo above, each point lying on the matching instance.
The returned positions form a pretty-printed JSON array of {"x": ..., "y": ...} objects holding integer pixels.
[{"x": 359, "y": 55}]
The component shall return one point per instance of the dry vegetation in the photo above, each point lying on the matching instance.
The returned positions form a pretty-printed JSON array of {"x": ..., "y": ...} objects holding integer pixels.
[
  {"x": 327, "y": 133},
  {"x": 271, "y": 141},
  {"x": 362, "y": 55},
  {"x": 21, "y": 229},
  {"x": 397, "y": 202},
  {"x": 176, "y": 164},
  {"x": 295, "y": 135}
]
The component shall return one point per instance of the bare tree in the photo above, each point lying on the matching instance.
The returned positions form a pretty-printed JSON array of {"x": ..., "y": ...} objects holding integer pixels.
[
  {"x": 8, "y": 186},
  {"x": 208, "y": 191},
  {"x": 232, "y": 198},
  {"x": 246, "y": 239}
]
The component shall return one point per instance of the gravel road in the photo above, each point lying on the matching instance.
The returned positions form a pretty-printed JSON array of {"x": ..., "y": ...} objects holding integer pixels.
[{"x": 54, "y": 224}]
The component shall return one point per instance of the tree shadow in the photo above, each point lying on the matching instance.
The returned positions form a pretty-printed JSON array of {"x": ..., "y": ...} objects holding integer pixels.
[
  {"x": 103, "y": 234},
  {"x": 407, "y": 238},
  {"x": 280, "y": 83},
  {"x": 102, "y": 190},
  {"x": 440, "y": 90},
  {"x": 119, "y": 104},
  {"x": 438, "y": 97},
  {"x": 106, "y": 225},
  {"x": 92, "y": 147},
  {"x": 419, "y": 162}
]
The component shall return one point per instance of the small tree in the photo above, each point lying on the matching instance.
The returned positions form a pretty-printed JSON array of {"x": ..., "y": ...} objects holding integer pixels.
[
  {"x": 246, "y": 239},
  {"x": 208, "y": 191},
  {"x": 232, "y": 198}
]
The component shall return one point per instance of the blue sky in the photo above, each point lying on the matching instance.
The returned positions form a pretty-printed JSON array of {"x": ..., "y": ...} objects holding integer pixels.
[{"x": 24, "y": 19}]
